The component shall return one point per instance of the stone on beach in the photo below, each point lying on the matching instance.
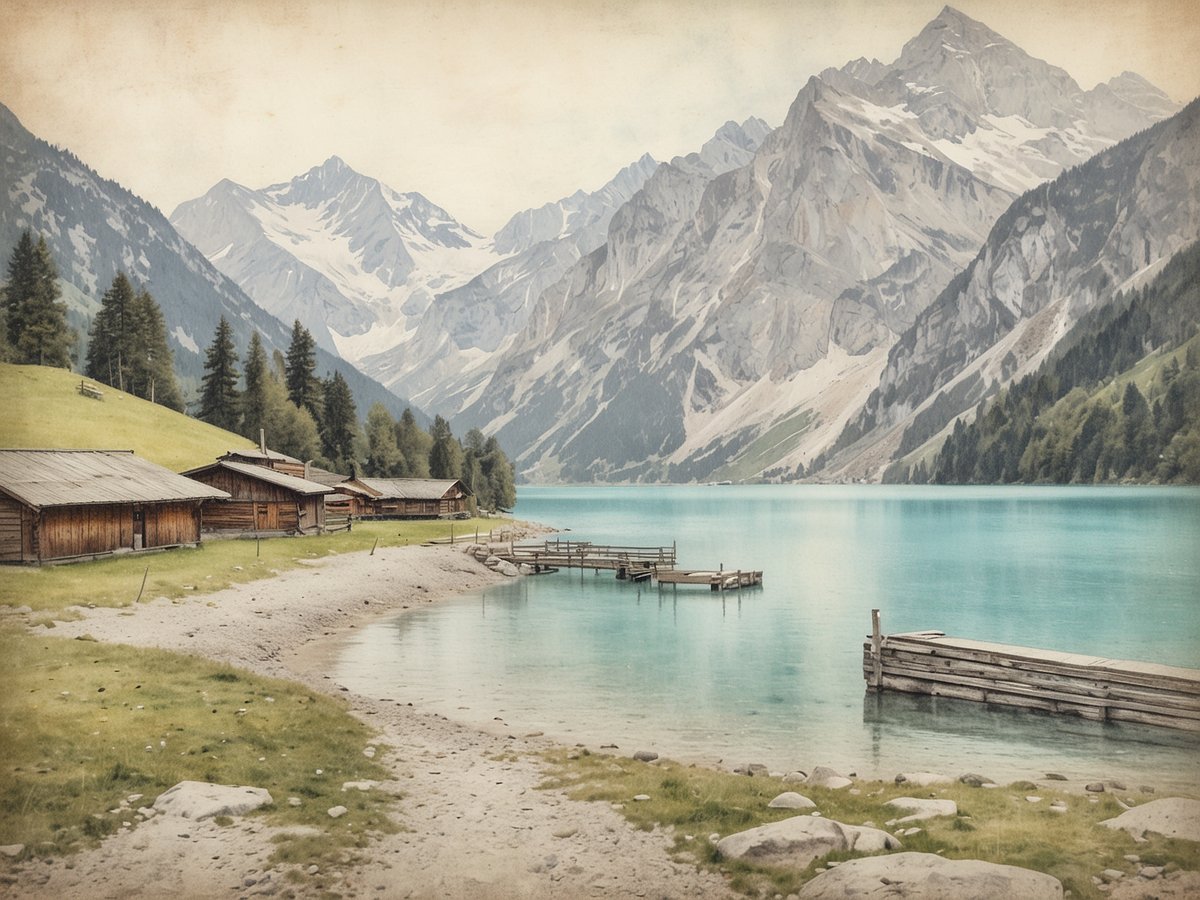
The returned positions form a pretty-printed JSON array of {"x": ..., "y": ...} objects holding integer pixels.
[
  {"x": 930, "y": 877},
  {"x": 198, "y": 800},
  {"x": 823, "y": 776},
  {"x": 791, "y": 800},
  {"x": 919, "y": 809},
  {"x": 922, "y": 779},
  {"x": 645, "y": 756},
  {"x": 974, "y": 780},
  {"x": 1173, "y": 817},
  {"x": 797, "y": 841}
]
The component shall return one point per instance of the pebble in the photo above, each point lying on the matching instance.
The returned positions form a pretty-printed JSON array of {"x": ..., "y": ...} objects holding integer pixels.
[
  {"x": 294, "y": 801},
  {"x": 641, "y": 797},
  {"x": 312, "y": 870}
]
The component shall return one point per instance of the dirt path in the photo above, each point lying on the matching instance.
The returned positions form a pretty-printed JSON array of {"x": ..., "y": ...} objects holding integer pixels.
[{"x": 476, "y": 826}]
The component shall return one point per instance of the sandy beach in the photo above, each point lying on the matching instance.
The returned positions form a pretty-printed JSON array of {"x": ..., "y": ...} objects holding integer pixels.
[{"x": 474, "y": 822}]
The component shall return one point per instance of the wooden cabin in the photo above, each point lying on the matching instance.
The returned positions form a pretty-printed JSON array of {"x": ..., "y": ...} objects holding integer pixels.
[
  {"x": 261, "y": 499},
  {"x": 271, "y": 459},
  {"x": 76, "y": 504},
  {"x": 406, "y": 498}
]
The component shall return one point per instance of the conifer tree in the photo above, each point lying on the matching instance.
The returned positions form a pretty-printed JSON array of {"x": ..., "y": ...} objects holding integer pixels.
[
  {"x": 35, "y": 319},
  {"x": 339, "y": 424},
  {"x": 303, "y": 386},
  {"x": 152, "y": 374},
  {"x": 414, "y": 445},
  {"x": 219, "y": 400},
  {"x": 255, "y": 398},
  {"x": 384, "y": 459},
  {"x": 111, "y": 347},
  {"x": 442, "y": 462}
]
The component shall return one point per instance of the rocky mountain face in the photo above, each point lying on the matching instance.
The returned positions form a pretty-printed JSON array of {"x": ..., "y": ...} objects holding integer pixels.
[
  {"x": 1061, "y": 250},
  {"x": 355, "y": 261},
  {"x": 96, "y": 227},
  {"x": 453, "y": 353},
  {"x": 733, "y": 323}
]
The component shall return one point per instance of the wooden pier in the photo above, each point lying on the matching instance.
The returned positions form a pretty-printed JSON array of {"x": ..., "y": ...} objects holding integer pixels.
[
  {"x": 631, "y": 563},
  {"x": 1092, "y": 687}
]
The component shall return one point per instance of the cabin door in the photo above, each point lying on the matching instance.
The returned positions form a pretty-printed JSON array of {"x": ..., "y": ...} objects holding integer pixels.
[
  {"x": 262, "y": 517},
  {"x": 139, "y": 528}
]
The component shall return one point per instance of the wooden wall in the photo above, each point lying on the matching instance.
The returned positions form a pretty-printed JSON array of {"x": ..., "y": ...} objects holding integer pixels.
[
  {"x": 90, "y": 529},
  {"x": 412, "y": 509},
  {"x": 258, "y": 505}
]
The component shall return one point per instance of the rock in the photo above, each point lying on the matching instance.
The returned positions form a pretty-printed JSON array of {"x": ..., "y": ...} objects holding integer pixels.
[
  {"x": 504, "y": 567},
  {"x": 751, "y": 769},
  {"x": 791, "y": 800},
  {"x": 797, "y": 841},
  {"x": 796, "y": 777},
  {"x": 922, "y": 779},
  {"x": 1096, "y": 787},
  {"x": 492, "y": 561},
  {"x": 1033, "y": 799},
  {"x": 823, "y": 776},
  {"x": 1150, "y": 872},
  {"x": 526, "y": 569},
  {"x": 358, "y": 785},
  {"x": 645, "y": 756},
  {"x": 1173, "y": 817},
  {"x": 930, "y": 877},
  {"x": 201, "y": 800},
  {"x": 975, "y": 780},
  {"x": 566, "y": 832},
  {"x": 1054, "y": 776},
  {"x": 641, "y": 797},
  {"x": 12, "y": 851},
  {"x": 922, "y": 809},
  {"x": 294, "y": 801},
  {"x": 1112, "y": 875},
  {"x": 336, "y": 812}
]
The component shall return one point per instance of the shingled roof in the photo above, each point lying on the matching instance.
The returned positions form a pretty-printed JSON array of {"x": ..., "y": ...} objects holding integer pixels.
[
  {"x": 405, "y": 488},
  {"x": 46, "y": 478},
  {"x": 262, "y": 473}
]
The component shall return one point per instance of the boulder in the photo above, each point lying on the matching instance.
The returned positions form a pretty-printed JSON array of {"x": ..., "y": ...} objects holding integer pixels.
[
  {"x": 918, "y": 809},
  {"x": 922, "y": 779},
  {"x": 198, "y": 800},
  {"x": 797, "y": 841},
  {"x": 974, "y": 780},
  {"x": 930, "y": 877},
  {"x": 791, "y": 800},
  {"x": 1173, "y": 817},
  {"x": 492, "y": 561},
  {"x": 504, "y": 567},
  {"x": 645, "y": 756},
  {"x": 823, "y": 776}
]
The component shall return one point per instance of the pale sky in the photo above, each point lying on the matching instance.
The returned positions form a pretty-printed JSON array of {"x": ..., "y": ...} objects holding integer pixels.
[{"x": 486, "y": 107}]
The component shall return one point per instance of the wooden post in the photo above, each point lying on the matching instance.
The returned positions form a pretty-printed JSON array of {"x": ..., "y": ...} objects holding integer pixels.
[{"x": 876, "y": 652}]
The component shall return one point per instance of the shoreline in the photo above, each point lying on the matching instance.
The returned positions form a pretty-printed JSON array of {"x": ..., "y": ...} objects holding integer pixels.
[
  {"x": 473, "y": 819},
  {"x": 475, "y": 822}
]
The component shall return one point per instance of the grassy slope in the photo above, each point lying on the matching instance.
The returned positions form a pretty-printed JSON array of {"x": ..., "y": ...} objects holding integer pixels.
[{"x": 44, "y": 409}]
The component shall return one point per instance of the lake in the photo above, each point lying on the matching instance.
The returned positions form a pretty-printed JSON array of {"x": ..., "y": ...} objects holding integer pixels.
[{"x": 774, "y": 674}]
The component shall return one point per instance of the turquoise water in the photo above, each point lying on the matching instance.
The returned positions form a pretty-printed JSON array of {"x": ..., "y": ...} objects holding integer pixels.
[{"x": 774, "y": 674}]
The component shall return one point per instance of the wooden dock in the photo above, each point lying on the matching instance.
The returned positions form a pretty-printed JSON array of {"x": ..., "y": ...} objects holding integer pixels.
[
  {"x": 1092, "y": 687},
  {"x": 631, "y": 563}
]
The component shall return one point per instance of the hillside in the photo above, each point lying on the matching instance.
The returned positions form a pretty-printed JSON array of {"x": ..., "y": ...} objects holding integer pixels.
[
  {"x": 45, "y": 410},
  {"x": 1119, "y": 400}
]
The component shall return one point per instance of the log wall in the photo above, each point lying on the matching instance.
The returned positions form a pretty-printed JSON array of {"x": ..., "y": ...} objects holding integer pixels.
[{"x": 1091, "y": 687}]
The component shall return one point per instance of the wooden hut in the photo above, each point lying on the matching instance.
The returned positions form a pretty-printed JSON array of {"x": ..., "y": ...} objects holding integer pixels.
[
  {"x": 271, "y": 459},
  {"x": 262, "y": 499},
  {"x": 64, "y": 504},
  {"x": 406, "y": 498}
]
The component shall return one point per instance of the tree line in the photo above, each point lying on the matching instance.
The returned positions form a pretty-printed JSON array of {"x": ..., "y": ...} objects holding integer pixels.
[
  {"x": 302, "y": 414},
  {"x": 314, "y": 418},
  {"x": 1120, "y": 402}
]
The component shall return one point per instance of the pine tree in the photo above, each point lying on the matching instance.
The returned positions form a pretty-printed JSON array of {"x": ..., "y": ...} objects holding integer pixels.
[
  {"x": 384, "y": 459},
  {"x": 339, "y": 424},
  {"x": 35, "y": 319},
  {"x": 255, "y": 398},
  {"x": 303, "y": 386},
  {"x": 414, "y": 445},
  {"x": 151, "y": 373},
  {"x": 442, "y": 463},
  {"x": 219, "y": 401},
  {"x": 111, "y": 347}
]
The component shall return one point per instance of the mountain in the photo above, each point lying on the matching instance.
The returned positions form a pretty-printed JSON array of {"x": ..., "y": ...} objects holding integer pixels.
[
  {"x": 355, "y": 261},
  {"x": 96, "y": 227},
  {"x": 1062, "y": 250},
  {"x": 452, "y": 355},
  {"x": 734, "y": 324}
]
